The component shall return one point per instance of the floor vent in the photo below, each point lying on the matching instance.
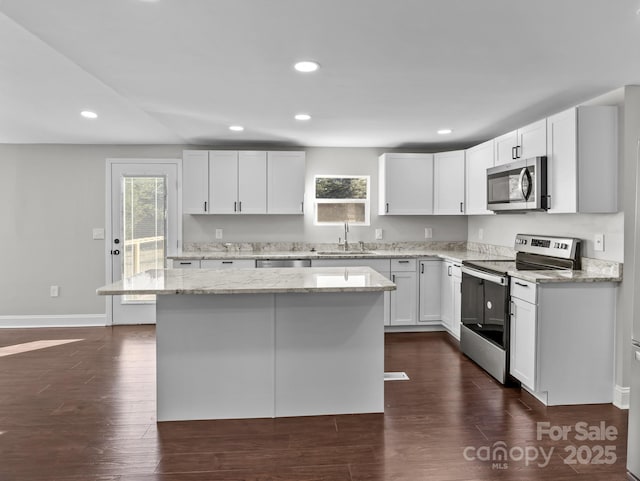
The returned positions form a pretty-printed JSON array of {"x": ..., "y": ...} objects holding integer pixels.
[{"x": 396, "y": 376}]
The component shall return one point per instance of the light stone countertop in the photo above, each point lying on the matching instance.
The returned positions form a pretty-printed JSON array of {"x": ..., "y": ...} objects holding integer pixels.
[
  {"x": 453, "y": 255},
  {"x": 251, "y": 281},
  {"x": 556, "y": 276}
]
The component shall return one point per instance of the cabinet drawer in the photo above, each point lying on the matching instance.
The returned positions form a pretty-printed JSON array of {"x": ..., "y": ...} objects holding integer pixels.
[
  {"x": 191, "y": 264},
  {"x": 227, "y": 263},
  {"x": 523, "y": 290},
  {"x": 403, "y": 265}
]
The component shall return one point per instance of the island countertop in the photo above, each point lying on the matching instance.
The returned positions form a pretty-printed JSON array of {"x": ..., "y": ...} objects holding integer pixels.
[{"x": 251, "y": 281}]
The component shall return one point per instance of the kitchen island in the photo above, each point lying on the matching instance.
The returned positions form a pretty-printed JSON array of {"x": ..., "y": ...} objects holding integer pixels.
[{"x": 252, "y": 343}]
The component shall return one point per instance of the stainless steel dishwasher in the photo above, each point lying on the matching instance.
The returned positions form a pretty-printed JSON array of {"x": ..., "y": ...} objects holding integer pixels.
[{"x": 261, "y": 263}]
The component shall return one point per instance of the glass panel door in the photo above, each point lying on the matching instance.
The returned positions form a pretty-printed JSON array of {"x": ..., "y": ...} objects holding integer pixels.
[{"x": 144, "y": 218}]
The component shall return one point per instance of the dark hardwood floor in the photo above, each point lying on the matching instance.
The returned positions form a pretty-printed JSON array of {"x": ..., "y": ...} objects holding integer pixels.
[{"x": 86, "y": 411}]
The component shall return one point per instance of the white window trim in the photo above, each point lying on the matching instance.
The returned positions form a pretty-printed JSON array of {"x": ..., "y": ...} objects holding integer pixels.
[{"x": 366, "y": 202}]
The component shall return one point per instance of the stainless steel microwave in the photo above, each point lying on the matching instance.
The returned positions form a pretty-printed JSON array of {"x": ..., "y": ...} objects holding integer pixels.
[{"x": 519, "y": 185}]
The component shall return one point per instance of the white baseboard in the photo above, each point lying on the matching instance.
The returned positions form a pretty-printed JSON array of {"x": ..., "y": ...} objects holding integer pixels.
[
  {"x": 621, "y": 397},
  {"x": 415, "y": 328},
  {"x": 62, "y": 320}
]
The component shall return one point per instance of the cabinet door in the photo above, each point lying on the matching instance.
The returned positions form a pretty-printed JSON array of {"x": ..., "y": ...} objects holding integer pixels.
[
  {"x": 478, "y": 160},
  {"x": 430, "y": 290},
  {"x": 252, "y": 182},
  {"x": 404, "y": 300},
  {"x": 223, "y": 181},
  {"x": 532, "y": 140},
  {"x": 405, "y": 184},
  {"x": 505, "y": 147},
  {"x": 562, "y": 167},
  {"x": 448, "y": 183},
  {"x": 195, "y": 182},
  {"x": 285, "y": 182},
  {"x": 446, "y": 295},
  {"x": 522, "y": 356}
]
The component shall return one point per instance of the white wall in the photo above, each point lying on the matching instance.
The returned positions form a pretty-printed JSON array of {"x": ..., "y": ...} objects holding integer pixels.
[
  {"x": 321, "y": 160},
  {"x": 501, "y": 230},
  {"x": 51, "y": 197}
]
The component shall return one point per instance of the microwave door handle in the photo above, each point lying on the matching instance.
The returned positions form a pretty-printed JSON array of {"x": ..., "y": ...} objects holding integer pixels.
[{"x": 526, "y": 192}]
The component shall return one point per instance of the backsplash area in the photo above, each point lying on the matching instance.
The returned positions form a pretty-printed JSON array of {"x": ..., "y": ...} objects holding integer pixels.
[{"x": 500, "y": 230}]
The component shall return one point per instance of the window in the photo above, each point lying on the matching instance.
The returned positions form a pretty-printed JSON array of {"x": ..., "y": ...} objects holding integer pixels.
[{"x": 342, "y": 198}]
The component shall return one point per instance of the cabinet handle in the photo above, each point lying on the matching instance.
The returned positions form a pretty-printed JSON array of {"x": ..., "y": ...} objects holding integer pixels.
[
  {"x": 393, "y": 277},
  {"x": 186, "y": 263},
  {"x": 302, "y": 206},
  {"x": 449, "y": 271},
  {"x": 548, "y": 201},
  {"x": 513, "y": 153},
  {"x": 205, "y": 205},
  {"x": 403, "y": 262},
  {"x": 518, "y": 151},
  {"x": 240, "y": 206},
  {"x": 521, "y": 284},
  {"x": 422, "y": 268},
  {"x": 227, "y": 262},
  {"x": 386, "y": 211},
  {"x": 234, "y": 207},
  {"x": 461, "y": 209}
]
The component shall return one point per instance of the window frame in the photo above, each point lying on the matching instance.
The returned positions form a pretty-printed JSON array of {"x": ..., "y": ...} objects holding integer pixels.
[{"x": 366, "y": 202}]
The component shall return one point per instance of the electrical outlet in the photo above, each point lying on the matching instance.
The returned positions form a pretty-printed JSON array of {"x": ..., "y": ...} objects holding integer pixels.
[
  {"x": 98, "y": 233},
  {"x": 378, "y": 234},
  {"x": 598, "y": 242},
  {"x": 428, "y": 232},
  {"x": 218, "y": 233},
  {"x": 54, "y": 291},
  {"x": 480, "y": 234}
]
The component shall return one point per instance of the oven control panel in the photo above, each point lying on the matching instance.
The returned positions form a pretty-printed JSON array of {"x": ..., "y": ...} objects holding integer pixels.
[{"x": 563, "y": 247}]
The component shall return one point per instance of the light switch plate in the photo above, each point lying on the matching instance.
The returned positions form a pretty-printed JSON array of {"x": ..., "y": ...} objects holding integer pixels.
[
  {"x": 54, "y": 291},
  {"x": 428, "y": 232},
  {"x": 598, "y": 242},
  {"x": 378, "y": 234},
  {"x": 98, "y": 233},
  {"x": 218, "y": 233}
]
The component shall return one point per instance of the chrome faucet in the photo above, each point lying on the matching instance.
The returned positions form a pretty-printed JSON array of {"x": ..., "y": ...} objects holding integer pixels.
[{"x": 346, "y": 232}]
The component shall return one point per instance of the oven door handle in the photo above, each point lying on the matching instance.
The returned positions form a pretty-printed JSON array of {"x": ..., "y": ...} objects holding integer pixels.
[{"x": 502, "y": 280}]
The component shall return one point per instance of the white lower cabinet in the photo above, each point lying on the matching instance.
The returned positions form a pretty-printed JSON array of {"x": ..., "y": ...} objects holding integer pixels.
[
  {"x": 522, "y": 354},
  {"x": 404, "y": 300},
  {"x": 382, "y": 266},
  {"x": 227, "y": 263},
  {"x": 450, "y": 297},
  {"x": 185, "y": 264},
  {"x": 430, "y": 282},
  {"x": 571, "y": 325}
]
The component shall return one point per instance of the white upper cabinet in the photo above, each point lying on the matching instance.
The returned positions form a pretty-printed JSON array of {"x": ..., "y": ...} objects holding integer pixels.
[
  {"x": 243, "y": 182},
  {"x": 223, "y": 181},
  {"x": 478, "y": 160},
  {"x": 526, "y": 142},
  {"x": 252, "y": 182},
  {"x": 195, "y": 182},
  {"x": 285, "y": 182},
  {"x": 405, "y": 184},
  {"x": 448, "y": 183},
  {"x": 582, "y": 165}
]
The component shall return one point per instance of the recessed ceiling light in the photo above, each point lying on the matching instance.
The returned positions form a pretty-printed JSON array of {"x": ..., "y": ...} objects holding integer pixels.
[
  {"x": 307, "y": 66},
  {"x": 444, "y": 131},
  {"x": 88, "y": 114},
  {"x": 236, "y": 128},
  {"x": 303, "y": 117}
]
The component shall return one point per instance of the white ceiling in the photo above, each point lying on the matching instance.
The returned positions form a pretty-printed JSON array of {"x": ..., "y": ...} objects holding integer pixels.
[{"x": 392, "y": 71}]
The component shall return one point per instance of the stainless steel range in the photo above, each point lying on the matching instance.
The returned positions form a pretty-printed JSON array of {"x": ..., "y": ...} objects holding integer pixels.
[{"x": 484, "y": 333}]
